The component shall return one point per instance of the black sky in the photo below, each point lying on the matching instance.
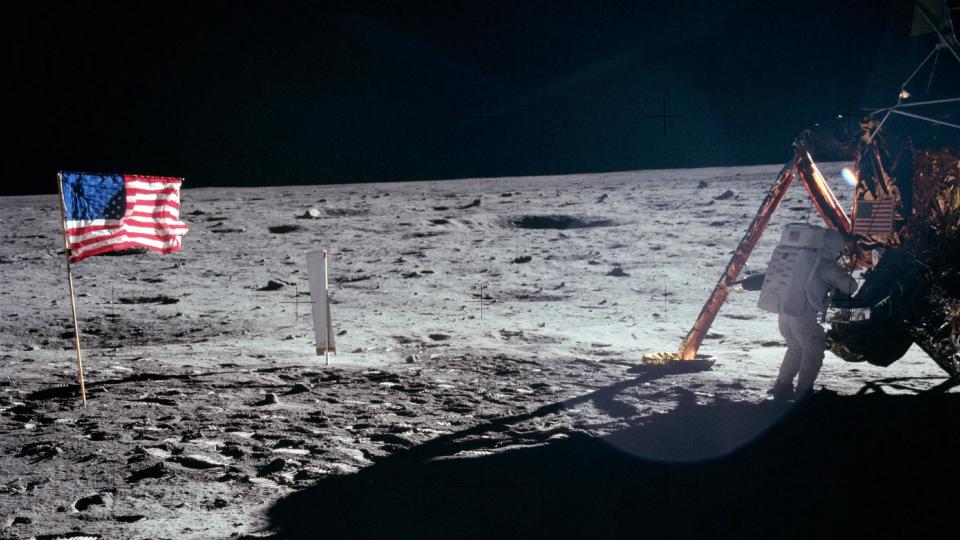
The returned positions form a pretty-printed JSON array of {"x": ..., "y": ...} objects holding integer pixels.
[{"x": 247, "y": 93}]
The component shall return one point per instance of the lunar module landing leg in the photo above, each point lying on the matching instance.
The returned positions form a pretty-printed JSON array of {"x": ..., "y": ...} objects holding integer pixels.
[
  {"x": 905, "y": 229},
  {"x": 802, "y": 165}
]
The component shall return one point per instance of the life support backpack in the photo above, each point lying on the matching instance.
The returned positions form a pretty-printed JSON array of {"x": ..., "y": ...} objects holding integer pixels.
[{"x": 793, "y": 263}]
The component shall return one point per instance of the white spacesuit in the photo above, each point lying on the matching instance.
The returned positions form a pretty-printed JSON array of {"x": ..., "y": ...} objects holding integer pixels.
[{"x": 803, "y": 268}]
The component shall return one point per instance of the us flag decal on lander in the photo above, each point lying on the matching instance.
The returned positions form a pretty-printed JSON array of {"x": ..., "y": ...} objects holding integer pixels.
[{"x": 320, "y": 302}]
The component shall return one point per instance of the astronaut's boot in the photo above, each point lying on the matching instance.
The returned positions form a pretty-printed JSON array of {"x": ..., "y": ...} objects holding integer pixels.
[{"x": 783, "y": 391}]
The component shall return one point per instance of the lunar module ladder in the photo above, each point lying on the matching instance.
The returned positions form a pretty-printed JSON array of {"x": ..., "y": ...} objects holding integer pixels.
[{"x": 686, "y": 358}]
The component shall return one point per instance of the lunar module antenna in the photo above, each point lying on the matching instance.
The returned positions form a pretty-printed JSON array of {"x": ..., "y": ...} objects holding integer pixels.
[{"x": 946, "y": 39}]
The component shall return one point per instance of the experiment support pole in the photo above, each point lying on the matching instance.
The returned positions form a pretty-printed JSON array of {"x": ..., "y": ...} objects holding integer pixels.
[
  {"x": 326, "y": 291},
  {"x": 73, "y": 299}
]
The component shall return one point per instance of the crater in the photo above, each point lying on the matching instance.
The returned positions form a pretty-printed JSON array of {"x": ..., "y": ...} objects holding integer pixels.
[
  {"x": 560, "y": 222},
  {"x": 125, "y": 252},
  {"x": 284, "y": 229}
]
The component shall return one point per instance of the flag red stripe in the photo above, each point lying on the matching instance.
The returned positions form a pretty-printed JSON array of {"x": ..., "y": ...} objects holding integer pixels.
[
  {"x": 152, "y": 179},
  {"x": 123, "y": 232},
  {"x": 161, "y": 214},
  {"x": 80, "y": 231},
  {"x": 161, "y": 191},
  {"x": 172, "y": 203},
  {"x": 157, "y": 224},
  {"x": 117, "y": 239},
  {"x": 86, "y": 238},
  {"x": 121, "y": 246}
]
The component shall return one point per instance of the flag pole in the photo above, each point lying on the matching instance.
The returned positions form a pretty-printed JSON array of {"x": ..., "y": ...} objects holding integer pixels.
[{"x": 73, "y": 299}]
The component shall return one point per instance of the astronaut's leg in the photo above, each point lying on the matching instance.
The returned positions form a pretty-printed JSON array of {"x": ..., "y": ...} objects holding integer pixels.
[
  {"x": 792, "y": 358},
  {"x": 807, "y": 330}
]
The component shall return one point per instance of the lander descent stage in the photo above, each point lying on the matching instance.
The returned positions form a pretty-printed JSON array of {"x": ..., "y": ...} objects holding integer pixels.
[{"x": 902, "y": 233}]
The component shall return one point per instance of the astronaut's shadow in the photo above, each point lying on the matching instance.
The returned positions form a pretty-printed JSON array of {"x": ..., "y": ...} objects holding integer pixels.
[{"x": 726, "y": 469}]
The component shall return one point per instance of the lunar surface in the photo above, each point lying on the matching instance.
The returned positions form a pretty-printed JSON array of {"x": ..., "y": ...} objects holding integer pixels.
[{"x": 486, "y": 382}]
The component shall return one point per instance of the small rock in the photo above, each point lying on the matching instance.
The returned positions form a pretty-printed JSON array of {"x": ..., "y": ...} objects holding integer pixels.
[
  {"x": 311, "y": 213},
  {"x": 724, "y": 196},
  {"x": 344, "y": 468},
  {"x": 310, "y": 473},
  {"x": 476, "y": 202},
  {"x": 232, "y": 451},
  {"x": 276, "y": 465},
  {"x": 390, "y": 438},
  {"x": 273, "y": 285},
  {"x": 292, "y": 451},
  {"x": 522, "y": 259},
  {"x": 131, "y": 518},
  {"x": 299, "y": 388},
  {"x": 702, "y": 184},
  {"x": 14, "y": 486},
  {"x": 40, "y": 450},
  {"x": 22, "y": 520},
  {"x": 197, "y": 461},
  {"x": 413, "y": 358},
  {"x": 617, "y": 272},
  {"x": 602, "y": 198},
  {"x": 269, "y": 399},
  {"x": 158, "y": 470},
  {"x": 264, "y": 482},
  {"x": 158, "y": 453}
]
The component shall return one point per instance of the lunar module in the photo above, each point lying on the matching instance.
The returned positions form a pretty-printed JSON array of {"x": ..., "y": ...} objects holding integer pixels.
[{"x": 902, "y": 234}]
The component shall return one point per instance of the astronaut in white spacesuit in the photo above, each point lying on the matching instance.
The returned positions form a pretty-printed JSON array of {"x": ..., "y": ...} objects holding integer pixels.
[
  {"x": 802, "y": 269},
  {"x": 798, "y": 319}
]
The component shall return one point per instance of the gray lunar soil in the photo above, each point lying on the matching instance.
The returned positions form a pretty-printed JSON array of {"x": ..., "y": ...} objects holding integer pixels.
[{"x": 456, "y": 304}]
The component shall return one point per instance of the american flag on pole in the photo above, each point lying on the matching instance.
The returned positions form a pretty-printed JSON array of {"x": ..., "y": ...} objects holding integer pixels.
[
  {"x": 111, "y": 212},
  {"x": 874, "y": 218}
]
